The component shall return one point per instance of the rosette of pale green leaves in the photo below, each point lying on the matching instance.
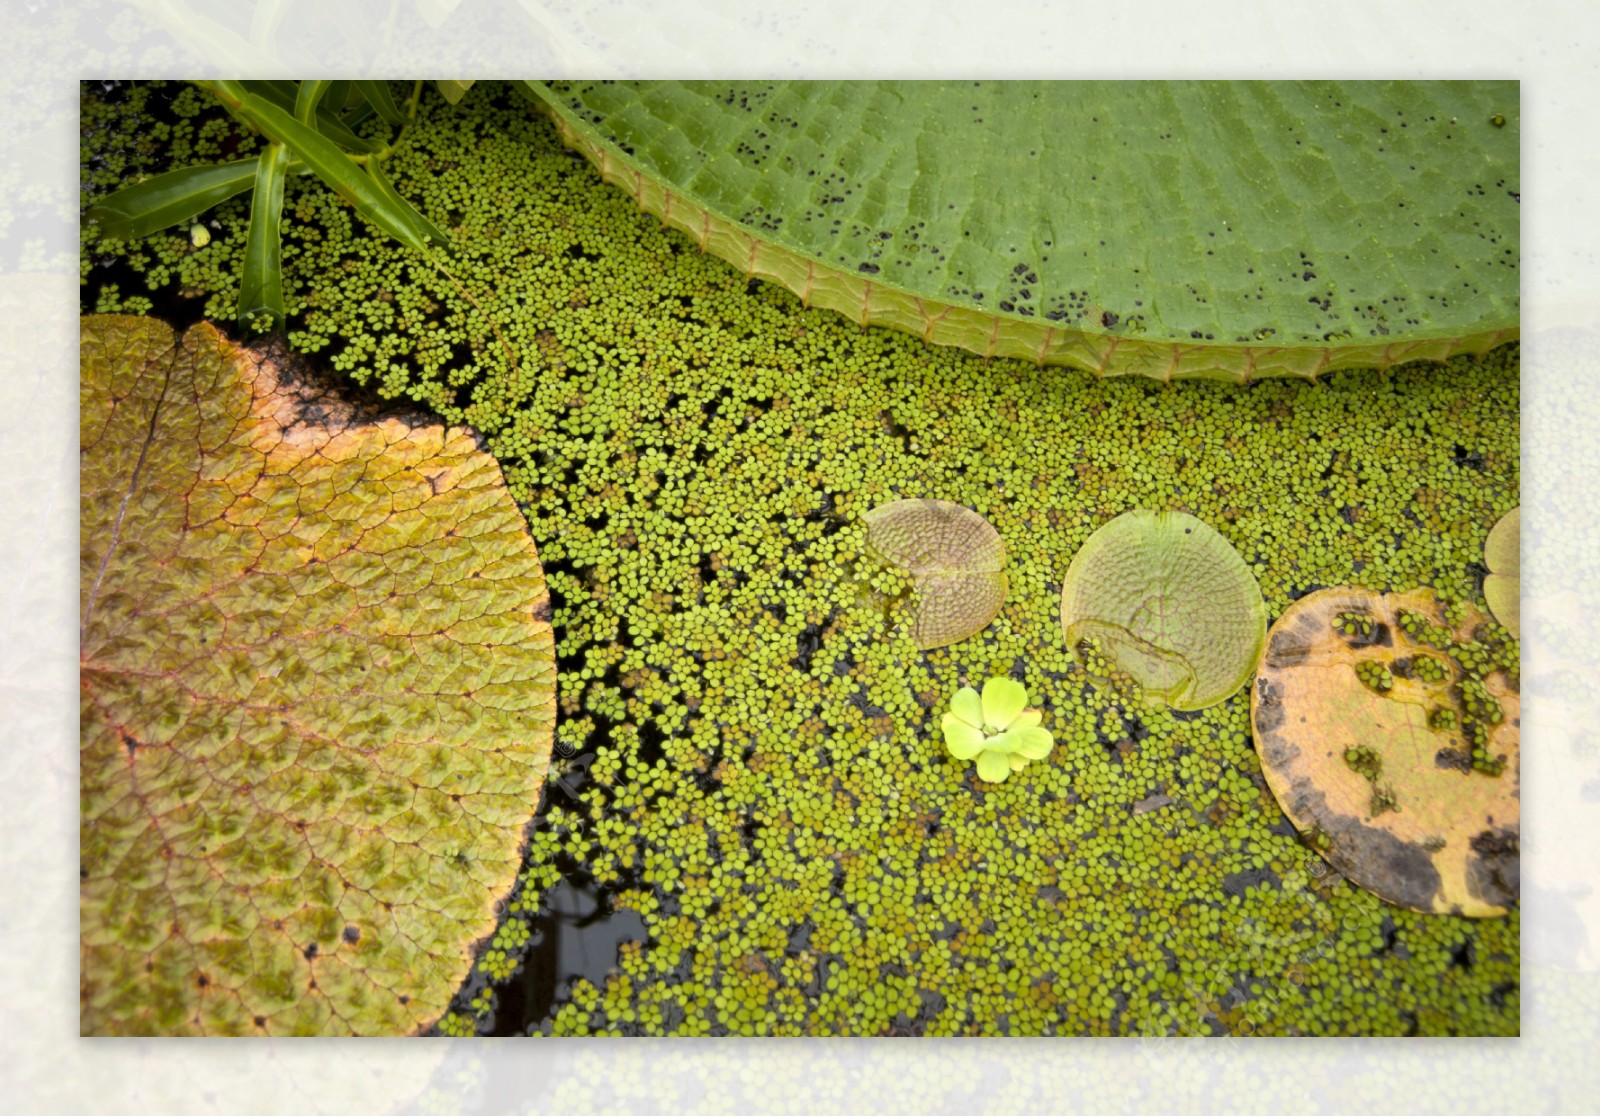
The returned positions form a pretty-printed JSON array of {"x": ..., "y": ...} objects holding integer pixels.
[{"x": 997, "y": 729}]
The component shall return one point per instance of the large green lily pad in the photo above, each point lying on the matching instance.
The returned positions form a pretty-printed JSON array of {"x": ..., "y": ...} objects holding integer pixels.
[
  {"x": 317, "y": 696},
  {"x": 1170, "y": 602},
  {"x": 1228, "y": 230},
  {"x": 1390, "y": 737}
]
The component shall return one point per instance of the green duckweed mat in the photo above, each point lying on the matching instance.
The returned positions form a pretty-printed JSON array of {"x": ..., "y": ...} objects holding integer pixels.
[{"x": 751, "y": 736}]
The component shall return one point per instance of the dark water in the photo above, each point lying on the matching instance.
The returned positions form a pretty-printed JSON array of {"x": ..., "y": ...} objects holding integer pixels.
[{"x": 575, "y": 935}]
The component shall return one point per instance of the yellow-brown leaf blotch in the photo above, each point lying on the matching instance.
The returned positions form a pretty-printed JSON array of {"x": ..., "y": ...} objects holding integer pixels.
[
  {"x": 1381, "y": 778},
  {"x": 317, "y": 697}
]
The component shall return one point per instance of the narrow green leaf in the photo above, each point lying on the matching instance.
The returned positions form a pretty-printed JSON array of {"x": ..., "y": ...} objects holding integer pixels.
[
  {"x": 281, "y": 93},
  {"x": 261, "y": 285},
  {"x": 420, "y": 224},
  {"x": 357, "y": 113},
  {"x": 331, "y": 165},
  {"x": 453, "y": 91},
  {"x": 338, "y": 96},
  {"x": 306, "y": 101},
  {"x": 170, "y": 199},
  {"x": 377, "y": 95},
  {"x": 285, "y": 95}
]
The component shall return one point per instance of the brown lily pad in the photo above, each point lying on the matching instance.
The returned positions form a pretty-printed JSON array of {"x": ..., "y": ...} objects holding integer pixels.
[
  {"x": 1390, "y": 738},
  {"x": 955, "y": 558}
]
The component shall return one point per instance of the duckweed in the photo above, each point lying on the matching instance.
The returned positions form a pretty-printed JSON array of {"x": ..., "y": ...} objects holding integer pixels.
[{"x": 764, "y": 778}]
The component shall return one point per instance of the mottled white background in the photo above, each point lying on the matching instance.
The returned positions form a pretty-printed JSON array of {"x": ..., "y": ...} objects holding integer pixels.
[{"x": 50, "y": 44}]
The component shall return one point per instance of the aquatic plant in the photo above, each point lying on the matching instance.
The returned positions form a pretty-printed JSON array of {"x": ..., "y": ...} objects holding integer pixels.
[
  {"x": 303, "y": 135},
  {"x": 997, "y": 730},
  {"x": 1164, "y": 229},
  {"x": 956, "y": 558},
  {"x": 318, "y": 682},
  {"x": 1167, "y": 600},
  {"x": 1394, "y": 738},
  {"x": 769, "y": 792}
]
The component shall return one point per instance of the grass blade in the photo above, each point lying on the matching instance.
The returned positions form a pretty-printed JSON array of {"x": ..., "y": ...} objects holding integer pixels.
[
  {"x": 377, "y": 95},
  {"x": 386, "y": 210},
  {"x": 453, "y": 91},
  {"x": 307, "y": 99},
  {"x": 169, "y": 199},
  {"x": 285, "y": 96},
  {"x": 261, "y": 285}
]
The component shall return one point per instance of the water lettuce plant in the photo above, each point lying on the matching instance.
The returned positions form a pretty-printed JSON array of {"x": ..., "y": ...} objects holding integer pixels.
[{"x": 996, "y": 730}]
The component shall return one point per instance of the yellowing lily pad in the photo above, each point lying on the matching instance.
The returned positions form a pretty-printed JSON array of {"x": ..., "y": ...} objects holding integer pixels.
[
  {"x": 317, "y": 693},
  {"x": 956, "y": 559},
  {"x": 1502, "y": 586},
  {"x": 1390, "y": 737},
  {"x": 1168, "y": 601}
]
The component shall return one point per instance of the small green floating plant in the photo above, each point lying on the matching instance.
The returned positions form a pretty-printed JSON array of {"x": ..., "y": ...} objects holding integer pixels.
[{"x": 997, "y": 729}]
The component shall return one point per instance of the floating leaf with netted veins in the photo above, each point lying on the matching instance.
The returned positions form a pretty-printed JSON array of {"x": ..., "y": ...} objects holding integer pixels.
[
  {"x": 1170, "y": 602},
  {"x": 956, "y": 559},
  {"x": 317, "y": 690},
  {"x": 1002, "y": 216},
  {"x": 1502, "y": 586},
  {"x": 1391, "y": 740}
]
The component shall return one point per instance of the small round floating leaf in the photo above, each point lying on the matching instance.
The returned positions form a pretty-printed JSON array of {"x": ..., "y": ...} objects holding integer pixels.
[
  {"x": 956, "y": 559},
  {"x": 1170, "y": 602},
  {"x": 952, "y": 607},
  {"x": 316, "y": 697},
  {"x": 1502, "y": 586},
  {"x": 1401, "y": 802},
  {"x": 1003, "y": 700},
  {"x": 1503, "y": 549},
  {"x": 934, "y": 537}
]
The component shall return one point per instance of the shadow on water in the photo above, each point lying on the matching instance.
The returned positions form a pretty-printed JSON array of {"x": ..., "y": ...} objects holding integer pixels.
[{"x": 576, "y": 934}]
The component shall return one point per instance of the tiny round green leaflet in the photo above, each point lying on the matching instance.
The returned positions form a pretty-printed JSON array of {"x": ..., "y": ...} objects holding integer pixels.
[
  {"x": 956, "y": 558},
  {"x": 1502, "y": 586},
  {"x": 996, "y": 729},
  {"x": 317, "y": 690},
  {"x": 1170, "y": 602}
]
